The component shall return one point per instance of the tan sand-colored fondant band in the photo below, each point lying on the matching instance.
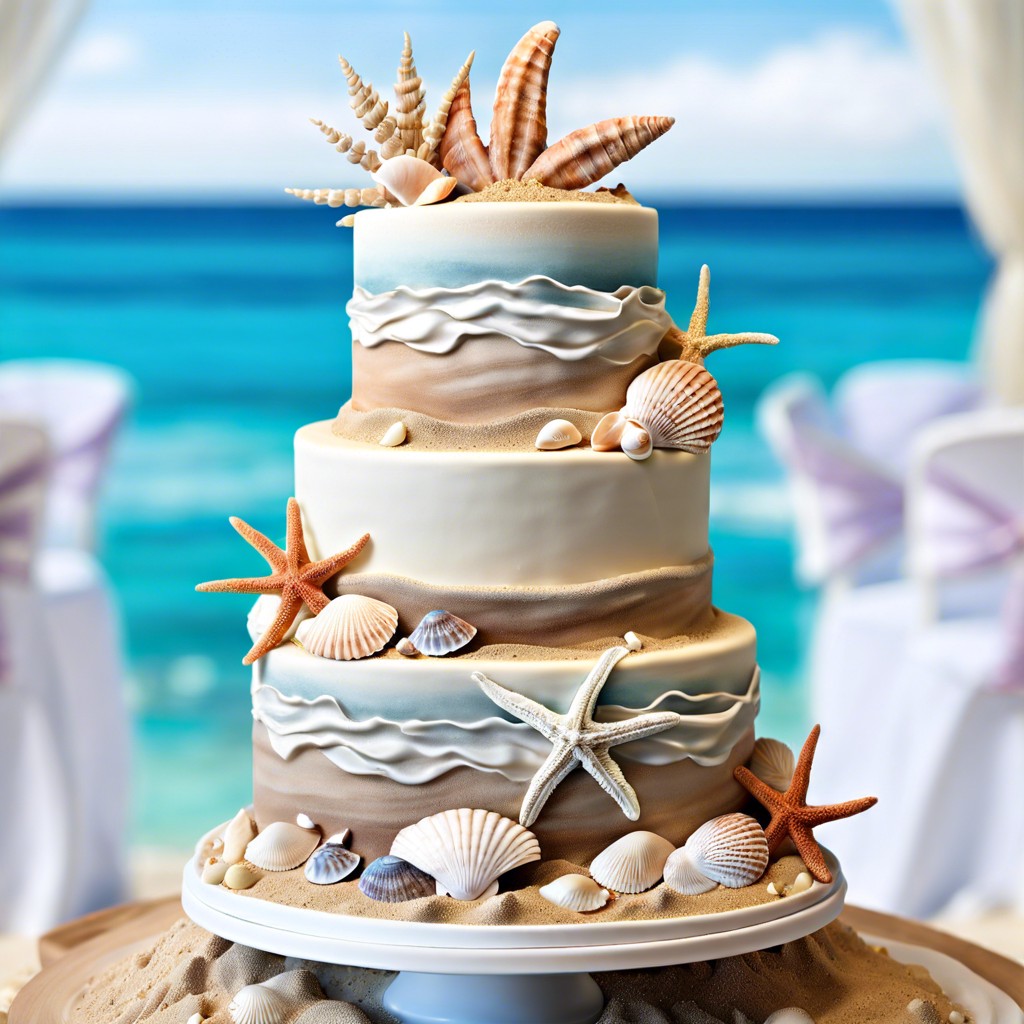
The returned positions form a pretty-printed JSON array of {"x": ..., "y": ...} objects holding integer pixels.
[
  {"x": 663, "y": 603},
  {"x": 577, "y": 823}
]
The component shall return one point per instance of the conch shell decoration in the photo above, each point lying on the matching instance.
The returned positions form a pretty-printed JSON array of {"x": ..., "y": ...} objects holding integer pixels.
[{"x": 676, "y": 403}]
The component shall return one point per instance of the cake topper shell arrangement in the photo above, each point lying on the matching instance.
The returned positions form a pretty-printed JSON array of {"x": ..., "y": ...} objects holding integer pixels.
[
  {"x": 466, "y": 850},
  {"x": 422, "y": 161},
  {"x": 676, "y": 403}
]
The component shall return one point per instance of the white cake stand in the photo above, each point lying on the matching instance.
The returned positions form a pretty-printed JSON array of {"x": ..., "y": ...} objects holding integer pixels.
[{"x": 504, "y": 974}]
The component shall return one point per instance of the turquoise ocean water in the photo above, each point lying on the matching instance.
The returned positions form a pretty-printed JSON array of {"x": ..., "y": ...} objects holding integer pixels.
[{"x": 232, "y": 322}]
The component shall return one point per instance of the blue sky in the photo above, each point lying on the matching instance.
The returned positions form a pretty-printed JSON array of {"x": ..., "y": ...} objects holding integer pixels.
[{"x": 165, "y": 98}]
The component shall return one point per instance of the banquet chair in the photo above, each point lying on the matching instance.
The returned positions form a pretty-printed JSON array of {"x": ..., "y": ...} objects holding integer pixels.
[
  {"x": 948, "y": 832},
  {"x": 36, "y": 807},
  {"x": 82, "y": 405}
]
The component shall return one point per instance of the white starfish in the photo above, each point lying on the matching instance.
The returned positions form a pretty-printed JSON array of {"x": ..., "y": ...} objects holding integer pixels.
[{"x": 577, "y": 739}]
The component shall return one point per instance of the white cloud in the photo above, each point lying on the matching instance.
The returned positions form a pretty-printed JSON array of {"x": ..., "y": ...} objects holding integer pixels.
[{"x": 103, "y": 55}]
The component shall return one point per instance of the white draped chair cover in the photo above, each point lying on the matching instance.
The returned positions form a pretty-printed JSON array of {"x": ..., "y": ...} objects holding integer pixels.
[
  {"x": 37, "y": 816},
  {"x": 976, "y": 49}
]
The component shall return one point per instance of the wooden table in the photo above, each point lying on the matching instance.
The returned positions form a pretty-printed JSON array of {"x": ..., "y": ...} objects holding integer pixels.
[{"x": 76, "y": 952}]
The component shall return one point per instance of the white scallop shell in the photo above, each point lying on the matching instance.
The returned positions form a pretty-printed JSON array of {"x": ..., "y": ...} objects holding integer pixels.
[
  {"x": 282, "y": 846},
  {"x": 405, "y": 177},
  {"x": 257, "y": 1004},
  {"x": 636, "y": 441},
  {"x": 263, "y": 613},
  {"x": 466, "y": 849},
  {"x": 678, "y": 403},
  {"x": 557, "y": 434},
  {"x": 330, "y": 864},
  {"x": 633, "y": 863},
  {"x": 440, "y": 632},
  {"x": 773, "y": 763},
  {"x": 239, "y": 833},
  {"x": 606, "y": 435},
  {"x": 682, "y": 875},
  {"x": 575, "y": 892},
  {"x": 730, "y": 850},
  {"x": 394, "y": 435},
  {"x": 350, "y": 627}
]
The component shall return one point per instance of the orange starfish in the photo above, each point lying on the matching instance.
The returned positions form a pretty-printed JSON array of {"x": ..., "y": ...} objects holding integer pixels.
[
  {"x": 296, "y": 577},
  {"x": 791, "y": 815}
]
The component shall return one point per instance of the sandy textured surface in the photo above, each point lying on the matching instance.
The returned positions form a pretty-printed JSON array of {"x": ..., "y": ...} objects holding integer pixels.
[
  {"x": 532, "y": 191},
  {"x": 832, "y": 974}
]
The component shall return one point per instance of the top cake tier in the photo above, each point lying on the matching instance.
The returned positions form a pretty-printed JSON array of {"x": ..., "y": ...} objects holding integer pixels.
[{"x": 531, "y": 304}]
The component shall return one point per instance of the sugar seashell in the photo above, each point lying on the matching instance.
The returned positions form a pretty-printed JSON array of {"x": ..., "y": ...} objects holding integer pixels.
[
  {"x": 587, "y": 154},
  {"x": 575, "y": 892},
  {"x": 636, "y": 441},
  {"x": 790, "y": 1015},
  {"x": 606, "y": 435},
  {"x": 519, "y": 126},
  {"x": 263, "y": 613},
  {"x": 257, "y": 1004},
  {"x": 633, "y": 642},
  {"x": 441, "y": 632},
  {"x": 773, "y": 763},
  {"x": 394, "y": 435},
  {"x": 282, "y": 846},
  {"x": 390, "y": 879},
  {"x": 730, "y": 850},
  {"x": 335, "y": 197},
  {"x": 678, "y": 403},
  {"x": 801, "y": 883},
  {"x": 214, "y": 871},
  {"x": 433, "y": 132},
  {"x": 304, "y": 821},
  {"x": 405, "y": 177},
  {"x": 409, "y": 103},
  {"x": 491, "y": 890},
  {"x": 683, "y": 876},
  {"x": 633, "y": 863},
  {"x": 558, "y": 434},
  {"x": 237, "y": 836},
  {"x": 331, "y": 863},
  {"x": 437, "y": 191},
  {"x": 466, "y": 849},
  {"x": 462, "y": 153},
  {"x": 240, "y": 876},
  {"x": 773, "y": 890},
  {"x": 196, "y": 1018},
  {"x": 407, "y": 647},
  {"x": 350, "y": 627}
]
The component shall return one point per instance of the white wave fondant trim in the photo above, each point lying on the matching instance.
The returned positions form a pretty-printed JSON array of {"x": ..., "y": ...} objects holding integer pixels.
[
  {"x": 570, "y": 322},
  {"x": 415, "y": 752}
]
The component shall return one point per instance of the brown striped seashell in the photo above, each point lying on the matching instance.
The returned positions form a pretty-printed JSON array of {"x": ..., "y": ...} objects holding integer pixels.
[
  {"x": 606, "y": 435},
  {"x": 350, "y": 627},
  {"x": 773, "y": 762},
  {"x": 433, "y": 132},
  {"x": 405, "y": 177},
  {"x": 678, "y": 403},
  {"x": 409, "y": 101},
  {"x": 730, "y": 850},
  {"x": 519, "y": 127},
  {"x": 587, "y": 154},
  {"x": 462, "y": 153},
  {"x": 636, "y": 441},
  {"x": 633, "y": 863}
]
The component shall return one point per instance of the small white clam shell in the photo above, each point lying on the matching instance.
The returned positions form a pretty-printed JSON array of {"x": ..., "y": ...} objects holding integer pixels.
[
  {"x": 682, "y": 874},
  {"x": 633, "y": 863},
  {"x": 801, "y": 883},
  {"x": 330, "y": 864},
  {"x": 467, "y": 849},
  {"x": 730, "y": 850},
  {"x": 214, "y": 871},
  {"x": 678, "y": 403},
  {"x": 575, "y": 892},
  {"x": 556, "y": 434},
  {"x": 636, "y": 441},
  {"x": 441, "y": 632},
  {"x": 239, "y": 833},
  {"x": 196, "y": 1018},
  {"x": 405, "y": 646},
  {"x": 257, "y": 1004},
  {"x": 405, "y": 177},
  {"x": 394, "y": 435},
  {"x": 282, "y": 846},
  {"x": 263, "y": 613},
  {"x": 240, "y": 876},
  {"x": 606, "y": 435},
  {"x": 350, "y": 627},
  {"x": 773, "y": 763}
]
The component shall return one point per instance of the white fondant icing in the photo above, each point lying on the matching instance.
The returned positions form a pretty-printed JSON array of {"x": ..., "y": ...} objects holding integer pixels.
[
  {"x": 500, "y": 518},
  {"x": 414, "y": 751},
  {"x": 568, "y": 322}
]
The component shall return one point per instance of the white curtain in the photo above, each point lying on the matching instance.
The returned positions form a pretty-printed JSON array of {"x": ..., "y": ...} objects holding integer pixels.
[
  {"x": 33, "y": 33},
  {"x": 977, "y": 50}
]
